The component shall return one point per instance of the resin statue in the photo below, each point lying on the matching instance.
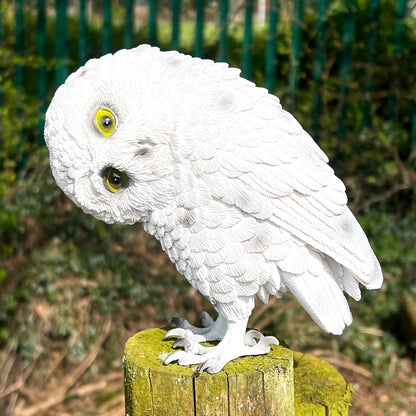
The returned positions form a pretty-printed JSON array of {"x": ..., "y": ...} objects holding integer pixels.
[{"x": 240, "y": 197}]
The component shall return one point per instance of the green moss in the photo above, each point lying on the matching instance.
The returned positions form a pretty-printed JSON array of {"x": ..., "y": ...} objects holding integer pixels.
[{"x": 319, "y": 388}]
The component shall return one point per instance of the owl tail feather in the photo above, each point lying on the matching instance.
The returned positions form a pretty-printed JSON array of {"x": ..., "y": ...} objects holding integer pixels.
[{"x": 323, "y": 299}]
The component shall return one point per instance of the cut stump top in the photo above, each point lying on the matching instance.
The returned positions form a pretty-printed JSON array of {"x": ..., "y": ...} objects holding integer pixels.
[{"x": 283, "y": 382}]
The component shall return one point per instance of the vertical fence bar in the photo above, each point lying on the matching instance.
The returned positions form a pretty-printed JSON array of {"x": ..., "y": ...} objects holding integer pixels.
[
  {"x": 176, "y": 12},
  {"x": 82, "y": 34},
  {"x": 199, "y": 29},
  {"x": 152, "y": 22},
  {"x": 19, "y": 77},
  {"x": 223, "y": 41},
  {"x": 1, "y": 90},
  {"x": 271, "y": 45},
  {"x": 42, "y": 78},
  {"x": 19, "y": 42},
  {"x": 128, "y": 27},
  {"x": 369, "y": 72},
  {"x": 1, "y": 38},
  {"x": 1, "y": 20},
  {"x": 247, "y": 55},
  {"x": 61, "y": 42},
  {"x": 345, "y": 68},
  {"x": 413, "y": 135},
  {"x": 319, "y": 67},
  {"x": 399, "y": 29},
  {"x": 295, "y": 52},
  {"x": 106, "y": 30}
]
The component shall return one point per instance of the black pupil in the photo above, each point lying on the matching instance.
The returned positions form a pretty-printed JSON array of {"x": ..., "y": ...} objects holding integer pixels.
[
  {"x": 115, "y": 178},
  {"x": 106, "y": 121}
]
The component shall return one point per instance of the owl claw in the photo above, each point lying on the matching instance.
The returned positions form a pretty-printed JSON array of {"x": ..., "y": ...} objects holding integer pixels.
[
  {"x": 211, "y": 366},
  {"x": 186, "y": 339},
  {"x": 254, "y": 337},
  {"x": 178, "y": 332},
  {"x": 269, "y": 340},
  {"x": 175, "y": 356}
]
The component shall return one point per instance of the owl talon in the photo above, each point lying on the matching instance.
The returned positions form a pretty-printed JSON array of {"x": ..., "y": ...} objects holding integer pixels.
[
  {"x": 178, "y": 332},
  {"x": 175, "y": 356},
  {"x": 269, "y": 340},
  {"x": 188, "y": 340},
  {"x": 211, "y": 366},
  {"x": 191, "y": 344},
  {"x": 252, "y": 337}
]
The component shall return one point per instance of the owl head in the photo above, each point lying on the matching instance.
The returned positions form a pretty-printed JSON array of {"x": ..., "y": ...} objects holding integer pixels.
[{"x": 109, "y": 134}]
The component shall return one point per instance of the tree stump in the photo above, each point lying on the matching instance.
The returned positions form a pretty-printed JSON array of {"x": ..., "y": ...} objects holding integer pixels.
[{"x": 282, "y": 383}]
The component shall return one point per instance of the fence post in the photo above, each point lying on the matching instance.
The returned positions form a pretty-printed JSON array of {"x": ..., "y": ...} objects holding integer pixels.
[
  {"x": 176, "y": 13},
  {"x": 281, "y": 383},
  {"x": 399, "y": 30},
  {"x": 371, "y": 48},
  {"x": 348, "y": 29},
  {"x": 128, "y": 28},
  {"x": 42, "y": 84},
  {"x": 223, "y": 42},
  {"x": 271, "y": 46},
  {"x": 106, "y": 29},
  {"x": 152, "y": 36},
  {"x": 82, "y": 33},
  {"x": 1, "y": 38},
  {"x": 199, "y": 29},
  {"x": 247, "y": 53},
  {"x": 295, "y": 52},
  {"x": 318, "y": 67},
  {"x": 19, "y": 44},
  {"x": 413, "y": 134},
  {"x": 61, "y": 42}
]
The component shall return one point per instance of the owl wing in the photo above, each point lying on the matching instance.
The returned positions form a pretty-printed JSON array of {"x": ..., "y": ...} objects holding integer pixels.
[{"x": 268, "y": 167}]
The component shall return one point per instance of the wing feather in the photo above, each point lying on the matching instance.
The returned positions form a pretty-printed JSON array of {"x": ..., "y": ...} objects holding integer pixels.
[{"x": 276, "y": 173}]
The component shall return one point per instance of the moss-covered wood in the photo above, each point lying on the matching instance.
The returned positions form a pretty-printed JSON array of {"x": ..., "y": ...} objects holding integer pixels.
[
  {"x": 279, "y": 383},
  {"x": 319, "y": 388}
]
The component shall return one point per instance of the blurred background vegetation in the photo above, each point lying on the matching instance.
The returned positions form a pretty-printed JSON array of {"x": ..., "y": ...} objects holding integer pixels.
[{"x": 72, "y": 289}]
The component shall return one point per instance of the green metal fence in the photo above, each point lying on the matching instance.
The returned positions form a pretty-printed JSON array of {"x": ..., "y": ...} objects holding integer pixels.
[{"x": 62, "y": 33}]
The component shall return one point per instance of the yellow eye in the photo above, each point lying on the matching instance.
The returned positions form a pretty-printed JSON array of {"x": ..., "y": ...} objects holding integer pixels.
[
  {"x": 115, "y": 180},
  {"x": 105, "y": 122}
]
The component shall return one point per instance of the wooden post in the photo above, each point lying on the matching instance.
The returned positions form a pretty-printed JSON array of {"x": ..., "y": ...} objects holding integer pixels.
[{"x": 282, "y": 383}]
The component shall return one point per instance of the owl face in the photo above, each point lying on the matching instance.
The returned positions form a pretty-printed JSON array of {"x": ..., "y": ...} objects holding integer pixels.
[{"x": 110, "y": 140}]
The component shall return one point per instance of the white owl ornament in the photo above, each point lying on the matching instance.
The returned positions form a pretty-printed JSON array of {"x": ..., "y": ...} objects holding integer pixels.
[{"x": 240, "y": 197}]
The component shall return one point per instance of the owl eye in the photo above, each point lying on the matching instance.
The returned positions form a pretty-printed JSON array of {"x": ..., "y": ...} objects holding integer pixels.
[
  {"x": 114, "y": 179},
  {"x": 105, "y": 122}
]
